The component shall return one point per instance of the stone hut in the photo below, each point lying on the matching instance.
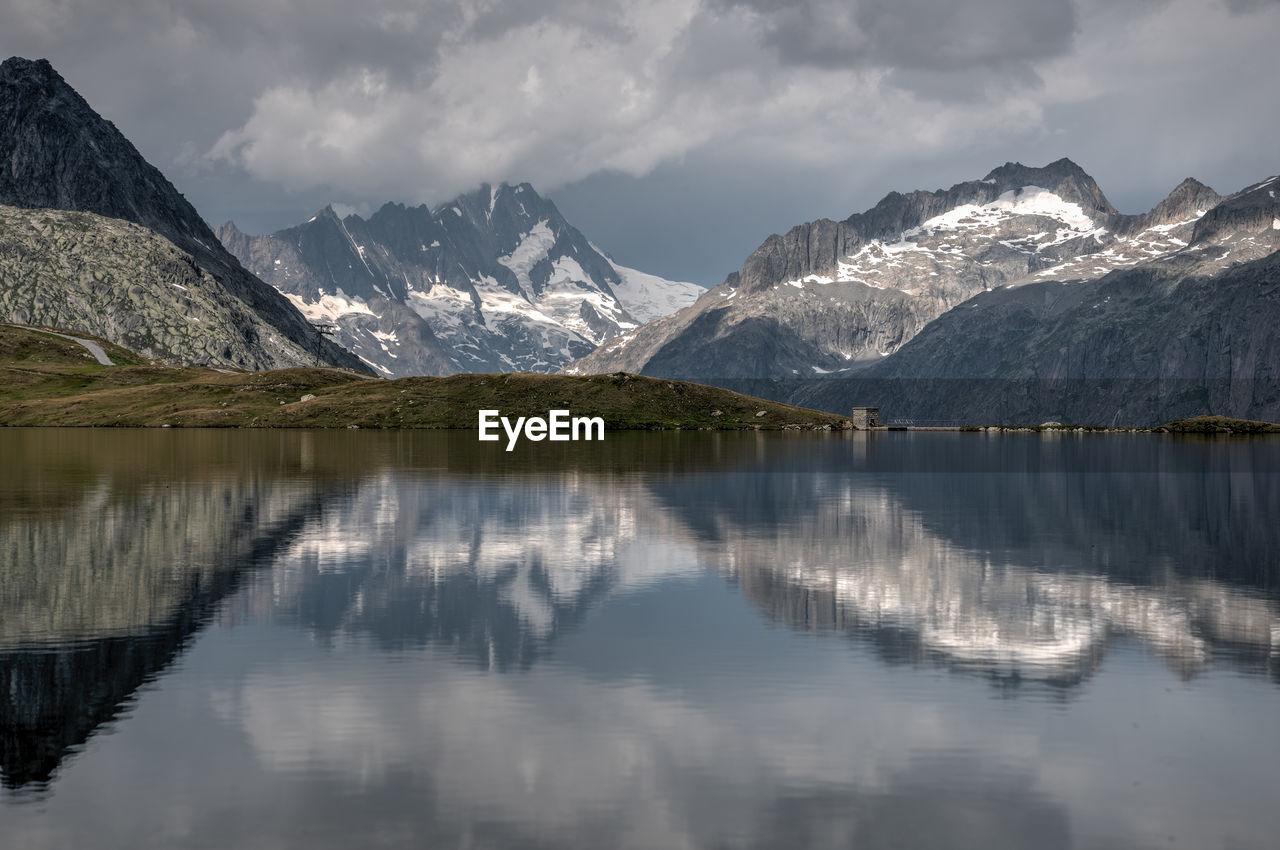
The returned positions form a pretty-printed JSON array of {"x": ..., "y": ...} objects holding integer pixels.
[{"x": 865, "y": 417}]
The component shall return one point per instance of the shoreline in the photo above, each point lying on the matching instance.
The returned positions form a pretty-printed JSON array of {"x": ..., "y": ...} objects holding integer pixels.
[{"x": 50, "y": 379}]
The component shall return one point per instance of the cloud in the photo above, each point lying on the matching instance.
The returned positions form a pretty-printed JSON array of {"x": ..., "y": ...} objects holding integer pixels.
[
  {"x": 500, "y": 93},
  {"x": 1246, "y": 6},
  {"x": 937, "y": 35}
]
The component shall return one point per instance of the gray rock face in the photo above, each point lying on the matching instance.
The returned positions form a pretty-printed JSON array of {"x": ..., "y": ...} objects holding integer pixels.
[
  {"x": 57, "y": 153},
  {"x": 495, "y": 280},
  {"x": 833, "y": 297},
  {"x": 125, "y": 283},
  {"x": 1185, "y": 334}
]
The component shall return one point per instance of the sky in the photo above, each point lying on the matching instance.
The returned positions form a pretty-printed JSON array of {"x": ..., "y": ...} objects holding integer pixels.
[{"x": 676, "y": 134}]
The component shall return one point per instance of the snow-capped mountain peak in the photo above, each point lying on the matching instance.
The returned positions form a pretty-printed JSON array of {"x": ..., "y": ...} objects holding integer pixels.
[
  {"x": 829, "y": 297},
  {"x": 495, "y": 280}
]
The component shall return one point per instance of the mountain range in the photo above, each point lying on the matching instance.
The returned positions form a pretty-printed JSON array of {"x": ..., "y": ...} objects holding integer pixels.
[
  {"x": 493, "y": 281},
  {"x": 1183, "y": 332},
  {"x": 1020, "y": 297}
]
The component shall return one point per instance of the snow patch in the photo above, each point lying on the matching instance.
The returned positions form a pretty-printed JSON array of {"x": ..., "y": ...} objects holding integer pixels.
[
  {"x": 567, "y": 270},
  {"x": 329, "y": 307},
  {"x": 383, "y": 369},
  {"x": 1165, "y": 228},
  {"x": 1030, "y": 200},
  {"x": 533, "y": 247}
]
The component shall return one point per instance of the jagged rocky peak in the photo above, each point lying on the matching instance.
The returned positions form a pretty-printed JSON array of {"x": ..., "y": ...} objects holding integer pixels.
[
  {"x": 228, "y": 232},
  {"x": 1189, "y": 200},
  {"x": 1063, "y": 178},
  {"x": 56, "y": 152},
  {"x": 1060, "y": 191},
  {"x": 525, "y": 226}
]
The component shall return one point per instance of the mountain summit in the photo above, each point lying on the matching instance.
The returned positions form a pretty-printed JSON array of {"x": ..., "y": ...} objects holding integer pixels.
[
  {"x": 57, "y": 153},
  {"x": 494, "y": 280}
]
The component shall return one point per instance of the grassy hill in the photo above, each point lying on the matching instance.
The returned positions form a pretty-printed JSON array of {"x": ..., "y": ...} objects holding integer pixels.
[{"x": 49, "y": 381}]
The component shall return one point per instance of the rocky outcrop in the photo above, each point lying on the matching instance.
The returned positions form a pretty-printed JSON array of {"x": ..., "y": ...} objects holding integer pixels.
[
  {"x": 57, "y": 153},
  {"x": 1189, "y": 200},
  {"x": 1249, "y": 215}
]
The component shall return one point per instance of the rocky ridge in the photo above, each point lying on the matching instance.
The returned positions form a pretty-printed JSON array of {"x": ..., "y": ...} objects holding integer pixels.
[{"x": 830, "y": 297}]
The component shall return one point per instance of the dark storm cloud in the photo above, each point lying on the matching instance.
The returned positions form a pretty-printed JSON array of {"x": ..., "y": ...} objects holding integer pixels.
[
  {"x": 918, "y": 39},
  {"x": 1246, "y": 6},
  {"x": 936, "y": 35}
]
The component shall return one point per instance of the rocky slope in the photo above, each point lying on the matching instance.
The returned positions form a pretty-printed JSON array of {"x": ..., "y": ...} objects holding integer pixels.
[
  {"x": 57, "y": 153},
  {"x": 1183, "y": 334},
  {"x": 832, "y": 296},
  {"x": 122, "y": 282},
  {"x": 495, "y": 280}
]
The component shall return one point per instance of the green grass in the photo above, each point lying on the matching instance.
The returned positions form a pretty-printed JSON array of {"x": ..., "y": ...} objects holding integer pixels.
[{"x": 48, "y": 381}]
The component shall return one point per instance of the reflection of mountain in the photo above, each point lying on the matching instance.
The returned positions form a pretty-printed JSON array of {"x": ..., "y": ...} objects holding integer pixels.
[
  {"x": 108, "y": 573},
  {"x": 495, "y": 569},
  {"x": 1008, "y": 556},
  {"x": 1029, "y": 573}
]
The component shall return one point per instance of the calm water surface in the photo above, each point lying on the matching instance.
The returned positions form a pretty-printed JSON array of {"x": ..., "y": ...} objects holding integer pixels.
[{"x": 311, "y": 639}]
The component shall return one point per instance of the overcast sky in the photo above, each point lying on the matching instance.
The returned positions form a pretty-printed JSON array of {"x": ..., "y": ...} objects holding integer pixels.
[{"x": 676, "y": 134}]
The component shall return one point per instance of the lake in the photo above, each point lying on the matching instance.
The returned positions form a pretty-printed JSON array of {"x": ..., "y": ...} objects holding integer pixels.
[{"x": 671, "y": 640}]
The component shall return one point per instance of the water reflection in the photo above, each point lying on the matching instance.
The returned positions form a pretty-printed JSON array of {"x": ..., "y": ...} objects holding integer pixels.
[
  {"x": 493, "y": 568},
  {"x": 567, "y": 650},
  {"x": 1012, "y": 565},
  {"x": 919, "y": 595},
  {"x": 114, "y": 550}
]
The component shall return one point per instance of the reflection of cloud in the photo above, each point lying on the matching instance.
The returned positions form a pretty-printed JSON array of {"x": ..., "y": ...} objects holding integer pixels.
[
  {"x": 551, "y": 755},
  {"x": 990, "y": 809}
]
